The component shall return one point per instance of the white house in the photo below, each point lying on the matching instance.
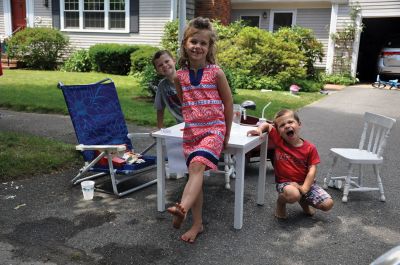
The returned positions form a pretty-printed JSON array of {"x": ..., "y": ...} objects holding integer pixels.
[{"x": 89, "y": 22}]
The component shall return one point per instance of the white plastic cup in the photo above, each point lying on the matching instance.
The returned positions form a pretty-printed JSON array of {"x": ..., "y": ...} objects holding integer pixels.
[
  {"x": 87, "y": 189},
  {"x": 237, "y": 113}
]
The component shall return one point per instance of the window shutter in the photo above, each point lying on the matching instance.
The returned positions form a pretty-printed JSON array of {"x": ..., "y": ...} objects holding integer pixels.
[
  {"x": 55, "y": 11},
  {"x": 134, "y": 16}
]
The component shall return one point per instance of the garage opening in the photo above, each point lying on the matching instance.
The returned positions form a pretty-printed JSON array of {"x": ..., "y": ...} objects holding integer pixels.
[{"x": 376, "y": 33}]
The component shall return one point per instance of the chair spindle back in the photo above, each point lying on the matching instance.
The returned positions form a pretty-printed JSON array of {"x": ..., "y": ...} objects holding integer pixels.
[{"x": 375, "y": 133}]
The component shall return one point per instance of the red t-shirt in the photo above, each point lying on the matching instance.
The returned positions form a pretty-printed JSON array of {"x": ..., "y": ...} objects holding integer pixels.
[{"x": 292, "y": 163}]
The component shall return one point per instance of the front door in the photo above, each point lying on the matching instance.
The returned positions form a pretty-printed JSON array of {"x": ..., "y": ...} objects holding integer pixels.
[{"x": 18, "y": 14}]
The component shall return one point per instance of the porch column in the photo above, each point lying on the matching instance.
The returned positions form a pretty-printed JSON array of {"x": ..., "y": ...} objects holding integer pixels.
[
  {"x": 182, "y": 20},
  {"x": 174, "y": 9},
  {"x": 7, "y": 18},
  {"x": 331, "y": 43},
  {"x": 30, "y": 14}
]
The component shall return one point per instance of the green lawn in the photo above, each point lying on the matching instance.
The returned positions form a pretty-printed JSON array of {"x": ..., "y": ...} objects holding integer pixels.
[
  {"x": 24, "y": 155},
  {"x": 278, "y": 100},
  {"x": 36, "y": 91}
]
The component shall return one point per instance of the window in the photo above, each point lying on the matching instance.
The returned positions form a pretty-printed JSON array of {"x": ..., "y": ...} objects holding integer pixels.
[
  {"x": 281, "y": 19},
  {"x": 71, "y": 14},
  {"x": 117, "y": 14},
  {"x": 252, "y": 21},
  {"x": 95, "y": 15}
]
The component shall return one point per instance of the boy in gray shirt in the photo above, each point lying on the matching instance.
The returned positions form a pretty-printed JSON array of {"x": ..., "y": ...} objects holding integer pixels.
[{"x": 166, "y": 96}]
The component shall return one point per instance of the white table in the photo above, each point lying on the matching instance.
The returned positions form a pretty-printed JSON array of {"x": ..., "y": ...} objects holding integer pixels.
[{"x": 239, "y": 144}]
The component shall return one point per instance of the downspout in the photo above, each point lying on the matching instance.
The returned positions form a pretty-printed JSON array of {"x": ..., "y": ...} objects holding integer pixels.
[
  {"x": 356, "y": 45},
  {"x": 331, "y": 43}
]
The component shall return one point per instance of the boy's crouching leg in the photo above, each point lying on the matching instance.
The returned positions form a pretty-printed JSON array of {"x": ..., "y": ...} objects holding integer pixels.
[
  {"x": 287, "y": 194},
  {"x": 307, "y": 209},
  {"x": 318, "y": 198},
  {"x": 291, "y": 194},
  {"x": 280, "y": 211},
  {"x": 326, "y": 205}
]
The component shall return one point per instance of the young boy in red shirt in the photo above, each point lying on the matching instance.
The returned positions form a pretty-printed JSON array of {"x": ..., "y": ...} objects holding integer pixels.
[{"x": 295, "y": 165}]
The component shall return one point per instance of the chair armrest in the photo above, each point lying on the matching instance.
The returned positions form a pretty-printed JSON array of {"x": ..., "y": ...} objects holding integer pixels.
[
  {"x": 143, "y": 135},
  {"x": 112, "y": 148},
  {"x": 138, "y": 135}
]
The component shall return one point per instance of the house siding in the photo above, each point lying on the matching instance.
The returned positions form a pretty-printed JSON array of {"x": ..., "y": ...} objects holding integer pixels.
[
  {"x": 264, "y": 23},
  {"x": 369, "y": 8},
  {"x": 153, "y": 14},
  {"x": 317, "y": 20},
  {"x": 343, "y": 17},
  {"x": 379, "y": 8},
  {"x": 42, "y": 15}
]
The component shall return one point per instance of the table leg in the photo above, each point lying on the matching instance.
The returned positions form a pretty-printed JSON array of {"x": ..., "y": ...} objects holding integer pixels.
[
  {"x": 261, "y": 173},
  {"x": 160, "y": 176},
  {"x": 239, "y": 190}
]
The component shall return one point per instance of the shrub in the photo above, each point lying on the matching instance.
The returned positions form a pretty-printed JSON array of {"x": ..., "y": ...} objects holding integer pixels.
[
  {"x": 240, "y": 79},
  {"x": 79, "y": 61},
  {"x": 306, "y": 42},
  {"x": 230, "y": 31},
  {"x": 142, "y": 57},
  {"x": 231, "y": 77},
  {"x": 338, "y": 79},
  {"x": 169, "y": 40},
  {"x": 257, "y": 52},
  {"x": 308, "y": 85},
  {"x": 148, "y": 80},
  {"x": 253, "y": 58},
  {"x": 111, "y": 58},
  {"x": 38, "y": 48}
]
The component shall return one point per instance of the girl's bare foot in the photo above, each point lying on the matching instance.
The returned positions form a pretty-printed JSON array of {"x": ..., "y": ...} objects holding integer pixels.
[
  {"x": 308, "y": 210},
  {"x": 280, "y": 211},
  {"x": 192, "y": 233},
  {"x": 179, "y": 214}
]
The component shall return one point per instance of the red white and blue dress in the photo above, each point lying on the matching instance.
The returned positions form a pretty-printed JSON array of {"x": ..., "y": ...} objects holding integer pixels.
[{"x": 203, "y": 113}]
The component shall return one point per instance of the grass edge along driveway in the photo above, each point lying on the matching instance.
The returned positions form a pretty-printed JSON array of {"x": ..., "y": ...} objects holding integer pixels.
[{"x": 36, "y": 91}]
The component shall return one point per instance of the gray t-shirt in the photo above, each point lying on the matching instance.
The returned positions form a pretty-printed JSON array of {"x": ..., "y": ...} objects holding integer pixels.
[{"x": 166, "y": 97}]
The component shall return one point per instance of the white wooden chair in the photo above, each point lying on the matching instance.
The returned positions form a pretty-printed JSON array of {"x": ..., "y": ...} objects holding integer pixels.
[
  {"x": 370, "y": 150},
  {"x": 229, "y": 169}
]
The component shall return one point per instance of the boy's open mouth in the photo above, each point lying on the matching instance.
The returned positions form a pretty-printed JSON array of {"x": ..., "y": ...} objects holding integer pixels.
[{"x": 290, "y": 133}]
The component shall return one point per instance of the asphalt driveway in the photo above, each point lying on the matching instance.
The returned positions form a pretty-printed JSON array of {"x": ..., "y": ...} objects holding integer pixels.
[{"x": 44, "y": 220}]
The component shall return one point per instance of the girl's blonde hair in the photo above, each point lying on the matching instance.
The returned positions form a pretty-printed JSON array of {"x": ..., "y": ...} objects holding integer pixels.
[{"x": 194, "y": 26}]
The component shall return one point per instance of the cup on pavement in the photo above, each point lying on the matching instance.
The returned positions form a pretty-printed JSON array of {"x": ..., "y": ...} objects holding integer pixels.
[{"x": 87, "y": 189}]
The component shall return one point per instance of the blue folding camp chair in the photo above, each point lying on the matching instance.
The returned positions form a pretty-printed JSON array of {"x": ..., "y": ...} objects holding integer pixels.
[{"x": 101, "y": 131}]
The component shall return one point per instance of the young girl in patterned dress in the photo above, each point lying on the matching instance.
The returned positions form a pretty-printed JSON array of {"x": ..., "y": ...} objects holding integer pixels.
[{"x": 207, "y": 112}]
